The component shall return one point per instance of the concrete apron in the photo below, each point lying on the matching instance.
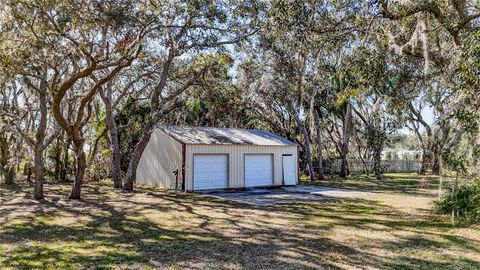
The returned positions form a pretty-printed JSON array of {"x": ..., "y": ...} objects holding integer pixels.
[{"x": 269, "y": 196}]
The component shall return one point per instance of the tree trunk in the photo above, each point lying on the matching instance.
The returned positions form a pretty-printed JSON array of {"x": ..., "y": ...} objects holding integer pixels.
[
  {"x": 364, "y": 163},
  {"x": 39, "y": 144},
  {"x": 7, "y": 170},
  {"x": 377, "y": 164},
  {"x": 65, "y": 162},
  {"x": 9, "y": 175},
  {"x": 425, "y": 163},
  {"x": 58, "y": 155},
  {"x": 91, "y": 155},
  {"x": 156, "y": 107},
  {"x": 328, "y": 161},
  {"x": 436, "y": 164},
  {"x": 347, "y": 114},
  {"x": 321, "y": 175},
  {"x": 136, "y": 155},
  {"x": 114, "y": 140},
  {"x": 308, "y": 153},
  {"x": 29, "y": 175},
  {"x": 39, "y": 172},
  {"x": 308, "y": 145},
  {"x": 116, "y": 165},
  {"x": 343, "y": 164},
  {"x": 80, "y": 172}
]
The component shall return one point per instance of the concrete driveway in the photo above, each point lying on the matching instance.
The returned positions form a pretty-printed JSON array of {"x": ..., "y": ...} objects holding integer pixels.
[{"x": 269, "y": 196}]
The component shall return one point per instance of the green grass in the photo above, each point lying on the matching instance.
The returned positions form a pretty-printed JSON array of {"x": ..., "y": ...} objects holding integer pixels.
[{"x": 394, "y": 228}]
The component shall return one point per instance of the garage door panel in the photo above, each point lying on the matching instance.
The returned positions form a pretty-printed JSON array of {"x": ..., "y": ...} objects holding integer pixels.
[
  {"x": 210, "y": 172},
  {"x": 258, "y": 170}
]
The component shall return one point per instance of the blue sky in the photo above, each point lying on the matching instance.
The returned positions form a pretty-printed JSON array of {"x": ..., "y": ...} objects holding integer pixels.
[{"x": 427, "y": 115}]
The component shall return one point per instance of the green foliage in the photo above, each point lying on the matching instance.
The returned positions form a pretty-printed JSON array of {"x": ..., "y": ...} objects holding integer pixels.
[
  {"x": 8, "y": 157},
  {"x": 214, "y": 105},
  {"x": 133, "y": 116},
  {"x": 470, "y": 64},
  {"x": 464, "y": 200},
  {"x": 468, "y": 119},
  {"x": 215, "y": 100},
  {"x": 358, "y": 65},
  {"x": 457, "y": 163}
]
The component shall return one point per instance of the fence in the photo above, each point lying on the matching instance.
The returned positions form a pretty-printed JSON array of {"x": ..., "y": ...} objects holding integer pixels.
[{"x": 359, "y": 166}]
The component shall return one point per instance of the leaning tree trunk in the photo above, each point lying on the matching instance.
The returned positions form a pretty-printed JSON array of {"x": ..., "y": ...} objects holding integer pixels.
[
  {"x": 137, "y": 154},
  {"x": 156, "y": 107},
  {"x": 92, "y": 154},
  {"x": 308, "y": 145},
  {"x": 80, "y": 172},
  {"x": 308, "y": 153}
]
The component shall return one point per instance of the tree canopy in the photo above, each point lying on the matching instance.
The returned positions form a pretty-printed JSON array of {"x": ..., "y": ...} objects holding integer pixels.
[{"x": 84, "y": 83}]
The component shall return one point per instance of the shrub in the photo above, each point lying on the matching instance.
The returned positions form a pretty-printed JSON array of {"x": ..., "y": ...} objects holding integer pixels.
[{"x": 463, "y": 202}]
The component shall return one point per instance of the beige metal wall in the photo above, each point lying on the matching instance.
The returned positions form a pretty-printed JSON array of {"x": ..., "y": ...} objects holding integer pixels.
[
  {"x": 236, "y": 159},
  {"x": 161, "y": 157}
]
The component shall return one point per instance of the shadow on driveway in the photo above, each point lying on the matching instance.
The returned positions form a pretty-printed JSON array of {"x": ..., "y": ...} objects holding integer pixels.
[{"x": 292, "y": 194}]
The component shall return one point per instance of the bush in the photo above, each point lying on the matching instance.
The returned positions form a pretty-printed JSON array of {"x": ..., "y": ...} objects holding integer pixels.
[{"x": 464, "y": 202}]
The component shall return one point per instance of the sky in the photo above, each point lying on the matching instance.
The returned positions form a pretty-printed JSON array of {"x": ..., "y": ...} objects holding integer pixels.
[{"x": 427, "y": 115}]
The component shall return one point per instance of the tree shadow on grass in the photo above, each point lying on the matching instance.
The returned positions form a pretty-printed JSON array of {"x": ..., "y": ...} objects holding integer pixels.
[
  {"x": 118, "y": 230},
  {"x": 111, "y": 238},
  {"x": 140, "y": 242}
]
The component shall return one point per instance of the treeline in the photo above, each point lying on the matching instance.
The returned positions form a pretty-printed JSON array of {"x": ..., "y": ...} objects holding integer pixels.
[{"x": 84, "y": 83}]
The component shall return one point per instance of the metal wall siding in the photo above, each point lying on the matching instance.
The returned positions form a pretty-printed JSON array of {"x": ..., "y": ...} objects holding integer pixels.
[
  {"x": 160, "y": 158},
  {"x": 236, "y": 160}
]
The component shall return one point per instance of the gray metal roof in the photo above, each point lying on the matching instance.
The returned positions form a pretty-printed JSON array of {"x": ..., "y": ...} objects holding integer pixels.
[{"x": 209, "y": 135}]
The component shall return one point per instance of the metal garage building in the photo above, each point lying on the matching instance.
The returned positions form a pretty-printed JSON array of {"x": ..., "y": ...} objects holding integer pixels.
[{"x": 202, "y": 158}]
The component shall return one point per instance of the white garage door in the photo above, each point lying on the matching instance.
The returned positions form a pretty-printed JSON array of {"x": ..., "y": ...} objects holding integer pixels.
[
  {"x": 210, "y": 172},
  {"x": 258, "y": 170}
]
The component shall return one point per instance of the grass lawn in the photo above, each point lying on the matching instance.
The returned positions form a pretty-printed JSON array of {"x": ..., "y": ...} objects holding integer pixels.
[{"x": 153, "y": 229}]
